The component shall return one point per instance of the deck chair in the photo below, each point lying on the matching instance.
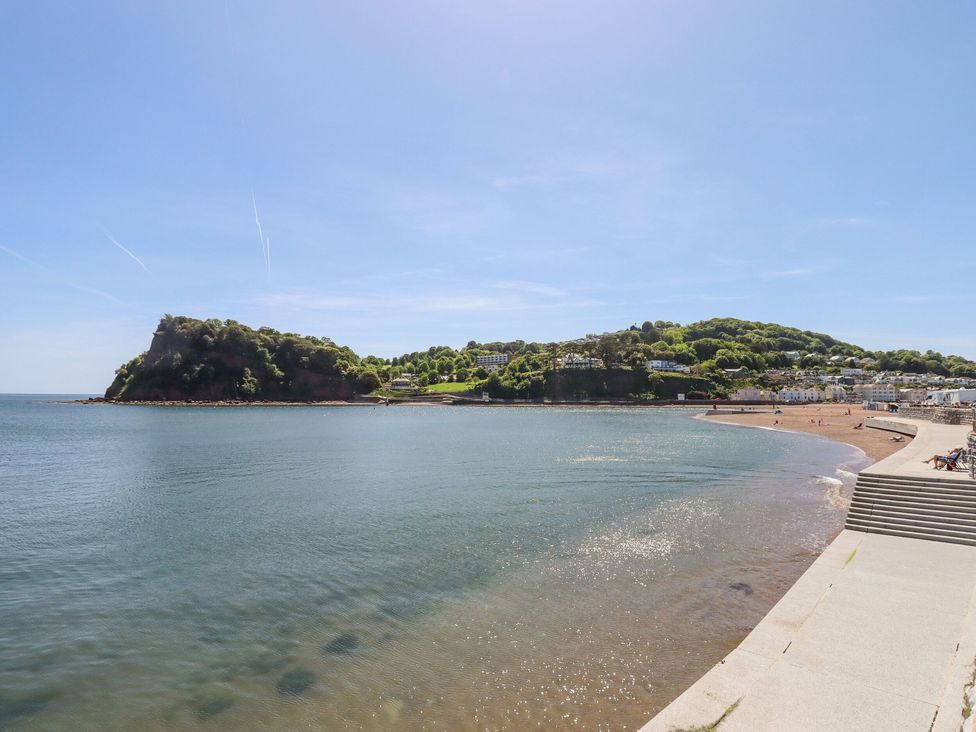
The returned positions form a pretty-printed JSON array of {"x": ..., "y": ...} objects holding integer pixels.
[{"x": 950, "y": 463}]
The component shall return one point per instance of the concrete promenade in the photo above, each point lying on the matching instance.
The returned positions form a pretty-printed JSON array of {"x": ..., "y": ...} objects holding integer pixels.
[{"x": 878, "y": 634}]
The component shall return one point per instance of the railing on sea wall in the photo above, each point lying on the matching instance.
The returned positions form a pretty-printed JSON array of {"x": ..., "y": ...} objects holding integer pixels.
[{"x": 971, "y": 451}]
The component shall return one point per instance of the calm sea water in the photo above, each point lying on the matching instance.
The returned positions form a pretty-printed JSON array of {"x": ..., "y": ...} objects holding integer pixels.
[{"x": 387, "y": 568}]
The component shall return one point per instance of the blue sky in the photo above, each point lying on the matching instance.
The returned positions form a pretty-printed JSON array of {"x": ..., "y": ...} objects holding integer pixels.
[{"x": 433, "y": 172}]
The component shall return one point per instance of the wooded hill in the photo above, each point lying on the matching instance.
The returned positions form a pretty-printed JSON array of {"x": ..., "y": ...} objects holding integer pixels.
[{"x": 213, "y": 360}]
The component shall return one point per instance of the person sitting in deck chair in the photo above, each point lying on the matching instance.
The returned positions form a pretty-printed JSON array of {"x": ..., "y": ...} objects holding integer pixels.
[{"x": 942, "y": 461}]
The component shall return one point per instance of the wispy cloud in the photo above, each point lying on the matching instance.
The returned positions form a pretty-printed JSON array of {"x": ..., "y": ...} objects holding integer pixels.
[
  {"x": 911, "y": 299},
  {"x": 314, "y": 301},
  {"x": 124, "y": 249},
  {"x": 532, "y": 288},
  {"x": 779, "y": 274},
  {"x": 51, "y": 274},
  {"x": 529, "y": 254},
  {"x": 692, "y": 298},
  {"x": 17, "y": 255},
  {"x": 265, "y": 241},
  {"x": 456, "y": 302},
  {"x": 565, "y": 173},
  {"x": 440, "y": 213},
  {"x": 723, "y": 260},
  {"x": 846, "y": 221}
]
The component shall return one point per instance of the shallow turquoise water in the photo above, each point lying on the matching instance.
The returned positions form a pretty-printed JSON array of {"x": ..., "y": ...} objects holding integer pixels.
[{"x": 385, "y": 568}]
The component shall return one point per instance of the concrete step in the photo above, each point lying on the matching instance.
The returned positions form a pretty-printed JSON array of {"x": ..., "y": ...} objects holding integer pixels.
[
  {"x": 860, "y": 515},
  {"x": 927, "y": 530},
  {"x": 920, "y": 485},
  {"x": 898, "y": 497},
  {"x": 919, "y": 493},
  {"x": 900, "y": 507},
  {"x": 937, "y": 507},
  {"x": 938, "y": 476},
  {"x": 906, "y": 494},
  {"x": 917, "y": 490},
  {"x": 957, "y": 479},
  {"x": 911, "y": 534},
  {"x": 947, "y": 508},
  {"x": 915, "y": 519}
]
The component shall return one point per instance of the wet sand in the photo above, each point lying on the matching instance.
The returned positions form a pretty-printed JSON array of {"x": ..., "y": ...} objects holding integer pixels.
[{"x": 827, "y": 420}]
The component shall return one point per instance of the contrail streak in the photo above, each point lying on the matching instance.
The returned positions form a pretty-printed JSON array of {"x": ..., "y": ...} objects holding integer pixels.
[
  {"x": 17, "y": 255},
  {"x": 265, "y": 241},
  {"x": 54, "y": 275},
  {"x": 139, "y": 261}
]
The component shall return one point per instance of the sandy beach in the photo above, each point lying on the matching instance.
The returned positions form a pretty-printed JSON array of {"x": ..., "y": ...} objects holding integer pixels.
[{"x": 828, "y": 420}]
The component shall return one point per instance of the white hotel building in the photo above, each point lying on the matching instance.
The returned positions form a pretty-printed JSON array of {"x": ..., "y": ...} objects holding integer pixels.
[
  {"x": 802, "y": 394},
  {"x": 876, "y": 392},
  {"x": 749, "y": 394},
  {"x": 493, "y": 361},
  {"x": 661, "y": 365},
  {"x": 835, "y": 393}
]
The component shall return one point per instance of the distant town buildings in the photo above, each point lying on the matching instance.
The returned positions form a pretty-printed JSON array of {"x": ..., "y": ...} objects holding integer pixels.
[
  {"x": 401, "y": 383},
  {"x": 903, "y": 378}
]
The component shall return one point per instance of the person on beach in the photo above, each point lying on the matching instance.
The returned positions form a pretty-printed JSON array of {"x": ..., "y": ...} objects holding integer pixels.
[{"x": 941, "y": 460}]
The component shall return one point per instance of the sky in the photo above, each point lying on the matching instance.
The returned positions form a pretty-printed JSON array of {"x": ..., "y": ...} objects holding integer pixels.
[{"x": 400, "y": 175}]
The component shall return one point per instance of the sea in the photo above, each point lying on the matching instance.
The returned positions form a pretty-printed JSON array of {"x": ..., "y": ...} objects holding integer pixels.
[{"x": 388, "y": 568}]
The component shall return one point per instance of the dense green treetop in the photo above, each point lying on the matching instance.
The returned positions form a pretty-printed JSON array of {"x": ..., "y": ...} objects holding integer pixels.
[{"x": 213, "y": 360}]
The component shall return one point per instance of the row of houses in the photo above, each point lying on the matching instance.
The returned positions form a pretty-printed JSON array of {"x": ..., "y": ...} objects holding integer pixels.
[
  {"x": 926, "y": 379},
  {"x": 831, "y": 393},
  {"x": 860, "y": 392}
]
